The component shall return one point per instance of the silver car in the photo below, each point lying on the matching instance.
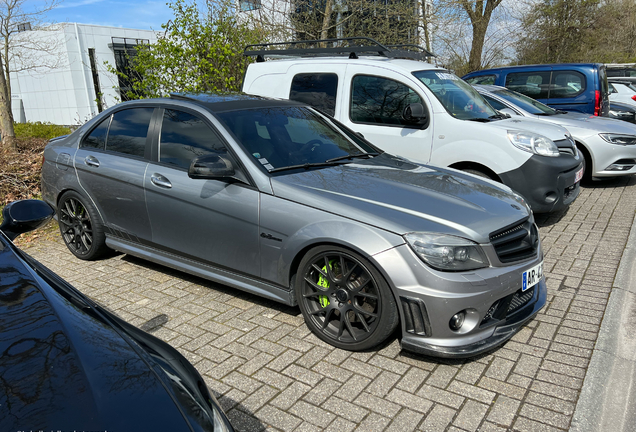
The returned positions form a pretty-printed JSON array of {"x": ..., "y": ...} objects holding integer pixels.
[
  {"x": 608, "y": 145},
  {"x": 277, "y": 199}
]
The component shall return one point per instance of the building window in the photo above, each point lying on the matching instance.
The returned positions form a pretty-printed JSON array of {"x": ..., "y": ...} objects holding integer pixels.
[
  {"x": 248, "y": 5},
  {"x": 125, "y": 50}
]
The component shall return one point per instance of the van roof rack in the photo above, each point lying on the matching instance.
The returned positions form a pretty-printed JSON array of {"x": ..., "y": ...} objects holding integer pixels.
[{"x": 351, "y": 46}]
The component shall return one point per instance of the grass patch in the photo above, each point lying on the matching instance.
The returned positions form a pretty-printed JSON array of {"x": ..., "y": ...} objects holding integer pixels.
[{"x": 39, "y": 130}]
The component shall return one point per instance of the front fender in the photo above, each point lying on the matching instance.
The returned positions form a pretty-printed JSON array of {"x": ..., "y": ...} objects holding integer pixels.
[
  {"x": 490, "y": 155},
  {"x": 289, "y": 229}
]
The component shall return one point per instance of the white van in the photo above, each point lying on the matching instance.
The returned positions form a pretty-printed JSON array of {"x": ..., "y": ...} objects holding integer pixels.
[{"x": 419, "y": 111}]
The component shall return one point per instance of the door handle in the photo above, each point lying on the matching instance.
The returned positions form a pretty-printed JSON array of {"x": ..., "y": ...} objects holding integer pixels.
[
  {"x": 91, "y": 161},
  {"x": 161, "y": 181}
]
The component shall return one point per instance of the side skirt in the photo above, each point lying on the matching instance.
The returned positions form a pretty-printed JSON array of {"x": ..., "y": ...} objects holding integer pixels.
[{"x": 215, "y": 274}]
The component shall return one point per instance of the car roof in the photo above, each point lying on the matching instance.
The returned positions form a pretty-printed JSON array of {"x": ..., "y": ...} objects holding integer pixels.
[
  {"x": 232, "y": 101},
  {"x": 489, "y": 87},
  {"x": 521, "y": 67},
  {"x": 395, "y": 63}
]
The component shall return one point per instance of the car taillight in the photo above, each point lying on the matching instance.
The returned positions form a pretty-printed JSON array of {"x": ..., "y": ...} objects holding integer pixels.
[
  {"x": 634, "y": 97},
  {"x": 597, "y": 103}
]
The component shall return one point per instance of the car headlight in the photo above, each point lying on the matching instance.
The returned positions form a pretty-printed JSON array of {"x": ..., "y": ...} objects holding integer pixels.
[
  {"x": 619, "y": 138},
  {"x": 446, "y": 252},
  {"x": 533, "y": 143}
]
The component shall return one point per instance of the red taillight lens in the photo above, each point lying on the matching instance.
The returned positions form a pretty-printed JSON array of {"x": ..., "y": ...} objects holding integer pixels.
[
  {"x": 597, "y": 103},
  {"x": 634, "y": 98}
]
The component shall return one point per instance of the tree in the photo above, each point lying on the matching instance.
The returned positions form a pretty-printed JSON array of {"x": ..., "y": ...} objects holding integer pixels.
[
  {"x": 579, "y": 31},
  {"x": 198, "y": 52},
  {"x": 18, "y": 46},
  {"x": 479, "y": 12}
]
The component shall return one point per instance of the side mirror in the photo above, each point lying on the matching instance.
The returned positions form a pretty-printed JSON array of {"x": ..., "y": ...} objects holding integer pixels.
[
  {"x": 24, "y": 216},
  {"x": 211, "y": 166},
  {"x": 415, "y": 114},
  {"x": 509, "y": 112}
]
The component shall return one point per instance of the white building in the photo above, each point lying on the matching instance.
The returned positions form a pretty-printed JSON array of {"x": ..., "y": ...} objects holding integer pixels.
[{"x": 67, "y": 94}]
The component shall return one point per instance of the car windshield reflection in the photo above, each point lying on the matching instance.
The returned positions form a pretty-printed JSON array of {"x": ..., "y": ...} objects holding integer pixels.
[
  {"x": 458, "y": 97},
  {"x": 281, "y": 138}
]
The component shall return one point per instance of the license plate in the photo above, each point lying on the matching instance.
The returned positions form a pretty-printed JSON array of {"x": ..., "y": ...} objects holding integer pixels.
[
  {"x": 578, "y": 176},
  {"x": 531, "y": 277}
]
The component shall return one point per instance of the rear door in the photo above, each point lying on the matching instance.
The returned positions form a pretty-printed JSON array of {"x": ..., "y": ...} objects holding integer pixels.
[
  {"x": 111, "y": 164},
  {"x": 571, "y": 91},
  {"x": 209, "y": 221}
]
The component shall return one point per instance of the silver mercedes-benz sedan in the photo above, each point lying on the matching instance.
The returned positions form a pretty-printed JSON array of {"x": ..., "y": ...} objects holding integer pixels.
[{"x": 277, "y": 199}]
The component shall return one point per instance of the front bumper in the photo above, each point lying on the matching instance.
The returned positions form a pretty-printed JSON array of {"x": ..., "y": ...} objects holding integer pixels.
[
  {"x": 428, "y": 298},
  {"x": 546, "y": 183},
  {"x": 611, "y": 160}
]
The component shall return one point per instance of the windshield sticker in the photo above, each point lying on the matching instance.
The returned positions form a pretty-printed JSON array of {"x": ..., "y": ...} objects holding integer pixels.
[
  {"x": 256, "y": 155},
  {"x": 268, "y": 167},
  {"x": 263, "y": 161},
  {"x": 446, "y": 76}
]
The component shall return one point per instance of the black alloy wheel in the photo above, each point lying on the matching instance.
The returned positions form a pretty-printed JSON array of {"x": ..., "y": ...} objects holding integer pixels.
[
  {"x": 344, "y": 299},
  {"x": 80, "y": 227}
]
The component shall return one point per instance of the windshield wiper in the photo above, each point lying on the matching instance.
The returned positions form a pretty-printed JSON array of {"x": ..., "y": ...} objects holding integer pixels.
[
  {"x": 480, "y": 119},
  {"x": 351, "y": 156},
  {"x": 497, "y": 117},
  {"x": 561, "y": 112}
]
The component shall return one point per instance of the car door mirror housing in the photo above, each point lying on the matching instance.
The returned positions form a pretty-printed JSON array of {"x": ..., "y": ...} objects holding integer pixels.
[
  {"x": 416, "y": 114},
  {"x": 24, "y": 216},
  {"x": 509, "y": 112},
  {"x": 211, "y": 166}
]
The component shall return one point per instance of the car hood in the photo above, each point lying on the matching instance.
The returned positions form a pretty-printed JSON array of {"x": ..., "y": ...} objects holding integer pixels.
[
  {"x": 66, "y": 368},
  {"x": 596, "y": 124},
  {"x": 401, "y": 196},
  {"x": 547, "y": 129}
]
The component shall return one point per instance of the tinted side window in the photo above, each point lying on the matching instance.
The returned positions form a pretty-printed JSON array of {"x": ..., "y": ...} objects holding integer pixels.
[
  {"x": 184, "y": 137},
  {"x": 97, "y": 138},
  {"x": 533, "y": 84},
  {"x": 494, "y": 103},
  {"x": 567, "y": 84},
  {"x": 128, "y": 131},
  {"x": 482, "y": 79},
  {"x": 380, "y": 100},
  {"x": 317, "y": 90}
]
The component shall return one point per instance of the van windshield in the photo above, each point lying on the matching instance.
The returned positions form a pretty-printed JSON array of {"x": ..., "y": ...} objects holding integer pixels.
[
  {"x": 457, "y": 96},
  {"x": 526, "y": 103}
]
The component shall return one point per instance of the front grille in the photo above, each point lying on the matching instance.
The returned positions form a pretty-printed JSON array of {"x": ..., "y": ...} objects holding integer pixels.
[
  {"x": 516, "y": 242},
  {"x": 415, "y": 317},
  {"x": 519, "y": 300},
  {"x": 566, "y": 146}
]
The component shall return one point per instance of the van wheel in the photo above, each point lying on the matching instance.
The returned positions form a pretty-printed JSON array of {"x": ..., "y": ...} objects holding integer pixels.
[
  {"x": 344, "y": 299},
  {"x": 478, "y": 173},
  {"x": 81, "y": 227}
]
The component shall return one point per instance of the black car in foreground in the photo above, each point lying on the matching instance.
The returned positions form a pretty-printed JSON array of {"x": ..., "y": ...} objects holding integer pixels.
[{"x": 67, "y": 364}]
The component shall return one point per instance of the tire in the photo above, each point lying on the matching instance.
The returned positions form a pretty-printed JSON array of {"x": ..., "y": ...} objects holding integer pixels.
[
  {"x": 478, "y": 173},
  {"x": 81, "y": 227},
  {"x": 354, "y": 311}
]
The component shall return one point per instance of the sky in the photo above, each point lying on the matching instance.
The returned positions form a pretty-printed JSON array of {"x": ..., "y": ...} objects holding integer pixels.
[{"x": 137, "y": 14}]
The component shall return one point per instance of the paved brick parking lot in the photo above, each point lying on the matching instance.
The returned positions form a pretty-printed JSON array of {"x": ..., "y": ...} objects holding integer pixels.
[{"x": 270, "y": 372}]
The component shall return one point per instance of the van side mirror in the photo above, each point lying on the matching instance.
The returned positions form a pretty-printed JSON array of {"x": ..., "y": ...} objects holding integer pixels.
[
  {"x": 416, "y": 114},
  {"x": 211, "y": 166},
  {"x": 24, "y": 216}
]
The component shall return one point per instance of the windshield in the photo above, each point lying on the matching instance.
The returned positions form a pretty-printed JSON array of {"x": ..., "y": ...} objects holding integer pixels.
[
  {"x": 280, "y": 137},
  {"x": 457, "y": 96},
  {"x": 525, "y": 103}
]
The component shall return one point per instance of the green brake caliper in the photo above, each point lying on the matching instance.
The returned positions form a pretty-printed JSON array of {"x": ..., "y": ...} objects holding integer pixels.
[{"x": 323, "y": 282}]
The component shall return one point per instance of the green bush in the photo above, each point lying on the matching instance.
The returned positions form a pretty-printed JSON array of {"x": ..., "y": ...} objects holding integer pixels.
[{"x": 39, "y": 130}]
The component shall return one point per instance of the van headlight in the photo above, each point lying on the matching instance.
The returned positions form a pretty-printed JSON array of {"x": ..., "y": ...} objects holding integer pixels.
[
  {"x": 619, "y": 139},
  {"x": 447, "y": 252},
  {"x": 533, "y": 143}
]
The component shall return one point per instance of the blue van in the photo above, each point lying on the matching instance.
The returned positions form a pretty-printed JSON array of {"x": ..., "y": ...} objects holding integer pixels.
[{"x": 578, "y": 87}]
